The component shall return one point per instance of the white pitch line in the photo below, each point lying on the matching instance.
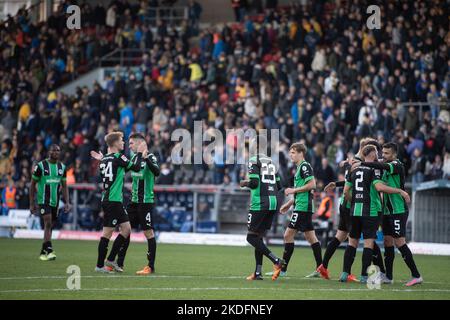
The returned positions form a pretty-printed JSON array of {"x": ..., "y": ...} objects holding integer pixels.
[
  {"x": 160, "y": 276},
  {"x": 221, "y": 289}
]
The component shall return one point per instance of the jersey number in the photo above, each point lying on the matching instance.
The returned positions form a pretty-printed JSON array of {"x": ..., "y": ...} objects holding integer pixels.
[
  {"x": 268, "y": 173},
  {"x": 359, "y": 174},
  {"x": 107, "y": 171}
]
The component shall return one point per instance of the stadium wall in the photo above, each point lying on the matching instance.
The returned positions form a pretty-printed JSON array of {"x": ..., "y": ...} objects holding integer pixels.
[{"x": 202, "y": 239}]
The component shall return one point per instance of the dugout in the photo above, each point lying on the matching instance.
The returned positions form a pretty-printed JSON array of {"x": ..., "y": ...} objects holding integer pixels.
[{"x": 431, "y": 212}]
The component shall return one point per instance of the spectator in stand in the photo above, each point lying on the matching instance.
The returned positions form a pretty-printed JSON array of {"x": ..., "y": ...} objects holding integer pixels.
[{"x": 418, "y": 167}]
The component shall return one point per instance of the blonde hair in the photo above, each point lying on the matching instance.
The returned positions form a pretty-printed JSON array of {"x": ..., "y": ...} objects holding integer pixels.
[{"x": 112, "y": 137}]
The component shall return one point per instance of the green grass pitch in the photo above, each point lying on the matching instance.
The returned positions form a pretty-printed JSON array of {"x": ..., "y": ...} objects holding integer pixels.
[{"x": 198, "y": 272}]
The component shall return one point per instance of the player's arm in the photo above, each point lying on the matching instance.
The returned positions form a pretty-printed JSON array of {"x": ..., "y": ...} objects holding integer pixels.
[
  {"x": 376, "y": 165},
  {"x": 65, "y": 190},
  {"x": 35, "y": 177},
  {"x": 381, "y": 187},
  {"x": 251, "y": 183},
  {"x": 153, "y": 164},
  {"x": 253, "y": 176},
  {"x": 348, "y": 191},
  {"x": 134, "y": 164},
  {"x": 97, "y": 155},
  {"x": 285, "y": 207},
  {"x": 310, "y": 185},
  {"x": 306, "y": 172}
]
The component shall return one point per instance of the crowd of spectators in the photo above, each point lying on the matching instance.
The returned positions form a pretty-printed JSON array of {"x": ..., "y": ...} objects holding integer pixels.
[{"x": 314, "y": 71}]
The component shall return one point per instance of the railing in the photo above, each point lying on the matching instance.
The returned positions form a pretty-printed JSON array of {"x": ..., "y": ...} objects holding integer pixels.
[
  {"x": 122, "y": 57},
  {"x": 170, "y": 15},
  {"x": 420, "y": 106},
  {"x": 33, "y": 10}
]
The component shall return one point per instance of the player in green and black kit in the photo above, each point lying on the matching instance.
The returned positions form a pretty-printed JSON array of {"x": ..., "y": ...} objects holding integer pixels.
[
  {"x": 395, "y": 214},
  {"x": 264, "y": 183},
  {"x": 363, "y": 190},
  {"x": 113, "y": 166},
  {"x": 301, "y": 219},
  {"x": 344, "y": 218},
  {"x": 141, "y": 208},
  {"x": 48, "y": 175}
]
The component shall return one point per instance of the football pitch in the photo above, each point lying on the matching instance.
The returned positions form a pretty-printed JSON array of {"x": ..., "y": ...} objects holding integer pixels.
[{"x": 198, "y": 272}]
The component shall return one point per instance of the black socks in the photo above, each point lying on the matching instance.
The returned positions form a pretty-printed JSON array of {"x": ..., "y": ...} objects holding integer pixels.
[
  {"x": 331, "y": 248},
  {"x": 366, "y": 260},
  {"x": 287, "y": 254},
  {"x": 151, "y": 254},
  {"x": 349, "y": 257},
  {"x": 259, "y": 261},
  {"x": 123, "y": 252},
  {"x": 409, "y": 260},
  {"x": 102, "y": 251},
  {"x": 259, "y": 245},
  {"x": 118, "y": 243},
  {"x": 377, "y": 257},
  {"x": 389, "y": 255},
  {"x": 317, "y": 250}
]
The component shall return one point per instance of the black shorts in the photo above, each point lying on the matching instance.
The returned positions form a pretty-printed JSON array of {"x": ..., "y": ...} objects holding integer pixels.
[
  {"x": 344, "y": 219},
  {"x": 260, "y": 221},
  {"x": 368, "y": 226},
  {"x": 394, "y": 225},
  {"x": 46, "y": 209},
  {"x": 115, "y": 214},
  {"x": 141, "y": 214},
  {"x": 301, "y": 221}
]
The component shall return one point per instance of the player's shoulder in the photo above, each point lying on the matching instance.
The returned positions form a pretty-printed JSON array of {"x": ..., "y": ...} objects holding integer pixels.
[
  {"x": 396, "y": 162},
  {"x": 304, "y": 166},
  {"x": 253, "y": 159},
  {"x": 152, "y": 157}
]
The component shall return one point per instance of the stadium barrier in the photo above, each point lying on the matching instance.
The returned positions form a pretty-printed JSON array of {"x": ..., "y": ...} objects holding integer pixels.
[
  {"x": 430, "y": 217},
  {"x": 201, "y": 239}
]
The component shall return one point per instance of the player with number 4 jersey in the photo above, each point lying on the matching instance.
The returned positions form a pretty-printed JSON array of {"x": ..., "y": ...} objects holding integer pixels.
[{"x": 112, "y": 169}]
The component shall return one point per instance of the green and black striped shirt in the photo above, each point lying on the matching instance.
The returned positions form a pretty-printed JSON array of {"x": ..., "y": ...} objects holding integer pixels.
[
  {"x": 144, "y": 180},
  {"x": 48, "y": 177}
]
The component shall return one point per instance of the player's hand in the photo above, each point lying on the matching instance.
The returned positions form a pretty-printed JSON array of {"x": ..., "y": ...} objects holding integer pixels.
[
  {"x": 97, "y": 155},
  {"x": 288, "y": 191},
  {"x": 405, "y": 196},
  {"x": 329, "y": 187},
  {"x": 243, "y": 183},
  {"x": 342, "y": 163},
  {"x": 67, "y": 207},
  {"x": 284, "y": 208},
  {"x": 142, "y": 147},
  {"x": 33, "y": 208},
  {"x": 355, "y": 165}
]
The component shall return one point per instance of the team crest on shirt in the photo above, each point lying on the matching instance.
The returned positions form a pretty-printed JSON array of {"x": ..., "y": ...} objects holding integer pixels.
[
  {"x": 305, "y": 168},
  {"x": 42, "y": 211},
  {"x": 60, "y": 171},
  {"x": 114, "y": 222}
]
